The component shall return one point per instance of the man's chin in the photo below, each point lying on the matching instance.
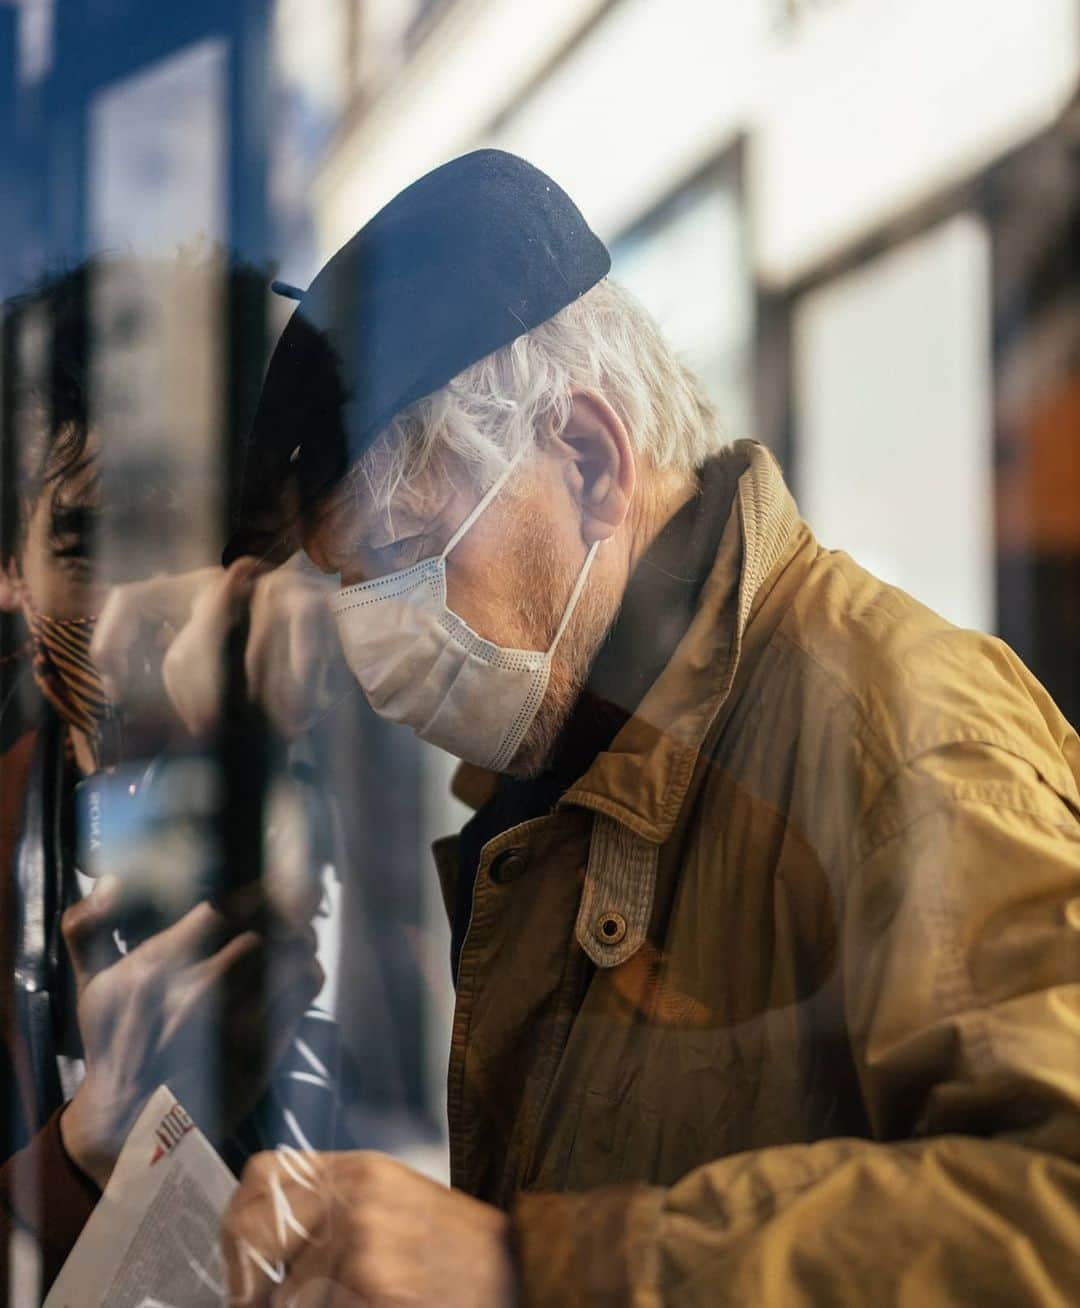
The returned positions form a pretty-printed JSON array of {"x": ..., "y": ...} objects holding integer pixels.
[
  {"x": 536, "y": 750},
  {"x": 524, "y": 766}
]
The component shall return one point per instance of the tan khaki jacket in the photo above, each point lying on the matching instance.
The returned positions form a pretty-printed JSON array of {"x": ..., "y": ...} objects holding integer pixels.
[{"x": 781, "y": 1006}]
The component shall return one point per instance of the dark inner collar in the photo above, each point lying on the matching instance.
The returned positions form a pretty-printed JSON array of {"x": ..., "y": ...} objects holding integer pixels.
[
  {"x": 657, "y": 608},
  {"x": 658, "y": 605}
]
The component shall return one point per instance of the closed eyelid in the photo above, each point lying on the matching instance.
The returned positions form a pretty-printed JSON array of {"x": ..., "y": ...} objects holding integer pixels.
[
  {"x": 420, "y": 544},
  {"x": 408, "y": 533},
  {"x": 398, "y": 541}
]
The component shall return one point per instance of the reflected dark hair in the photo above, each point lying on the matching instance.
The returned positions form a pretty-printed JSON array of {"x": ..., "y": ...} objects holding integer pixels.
[
  {"x": 53, "y": 448},
  {"x": 59, "y": 392}
]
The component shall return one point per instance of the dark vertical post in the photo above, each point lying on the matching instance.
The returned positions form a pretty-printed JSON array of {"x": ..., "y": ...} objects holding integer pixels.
[
  {"x": 245, "y": 742},
  {"x": 8, "y": 630},
  {"x": 63, "y": 137}
]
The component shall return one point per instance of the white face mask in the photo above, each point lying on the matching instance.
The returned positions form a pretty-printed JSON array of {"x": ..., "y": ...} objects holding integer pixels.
[{"x": 423, "y": 666}]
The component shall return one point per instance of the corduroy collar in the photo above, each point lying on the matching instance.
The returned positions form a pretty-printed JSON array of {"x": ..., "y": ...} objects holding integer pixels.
[{"x": 641, "y": 781}]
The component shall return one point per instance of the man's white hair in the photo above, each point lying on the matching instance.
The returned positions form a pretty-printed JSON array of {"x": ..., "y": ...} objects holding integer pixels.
[{"x": 604, "y": 342}]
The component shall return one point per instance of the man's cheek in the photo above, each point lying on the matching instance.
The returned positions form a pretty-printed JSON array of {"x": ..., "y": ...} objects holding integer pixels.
[{"x": 483, "y": 606}]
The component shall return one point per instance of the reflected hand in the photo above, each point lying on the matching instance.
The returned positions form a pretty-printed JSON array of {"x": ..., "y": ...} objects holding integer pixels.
[
  {"x": 361, "y": 1228},
  {"x": 207, "y": 983},
  {"x": 292, "y": 659}
]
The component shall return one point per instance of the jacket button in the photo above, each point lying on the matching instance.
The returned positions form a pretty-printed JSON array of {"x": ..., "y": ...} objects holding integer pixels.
[
  {"x": 610, "y": 928},
  {"x": 508, "y": 866}
]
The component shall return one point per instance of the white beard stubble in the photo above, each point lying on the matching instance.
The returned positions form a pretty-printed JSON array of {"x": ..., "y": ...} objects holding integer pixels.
[{"x": 543, "y": 601}]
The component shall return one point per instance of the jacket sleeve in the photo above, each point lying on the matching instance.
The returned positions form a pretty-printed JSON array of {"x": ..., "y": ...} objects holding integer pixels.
[
  {"x": 961, "y": 968},
  {"x": 45, "y": 1201}
]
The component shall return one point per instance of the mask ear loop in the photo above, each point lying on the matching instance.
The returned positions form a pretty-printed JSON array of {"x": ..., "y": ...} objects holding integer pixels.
[
  {"x": 583, "y": 575},
  {"x": 485, "y": 500},
  {"x": 575, "y": 595}
]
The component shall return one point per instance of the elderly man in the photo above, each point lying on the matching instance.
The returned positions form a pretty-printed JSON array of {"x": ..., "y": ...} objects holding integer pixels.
[{"x": 766, "y": 931}]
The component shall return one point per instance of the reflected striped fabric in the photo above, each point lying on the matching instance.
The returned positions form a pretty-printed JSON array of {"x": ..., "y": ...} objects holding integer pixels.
[
  {"x": 302, "y": 1107},
  {"x": 64, "y": 671},
  {"x": 305, "y": 1086}
]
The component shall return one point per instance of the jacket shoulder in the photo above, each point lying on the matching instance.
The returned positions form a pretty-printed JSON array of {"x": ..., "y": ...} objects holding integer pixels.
[{"x": 916, "y": 682}]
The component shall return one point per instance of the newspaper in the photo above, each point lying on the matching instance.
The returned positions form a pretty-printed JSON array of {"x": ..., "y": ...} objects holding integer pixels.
[{"x": 152, "y": 1240}]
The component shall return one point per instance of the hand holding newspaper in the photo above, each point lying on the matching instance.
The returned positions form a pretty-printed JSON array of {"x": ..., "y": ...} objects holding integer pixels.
[{"x": 152, "y": 1241}]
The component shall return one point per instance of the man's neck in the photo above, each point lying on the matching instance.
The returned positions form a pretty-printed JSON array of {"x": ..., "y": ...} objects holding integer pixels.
[
  {"x": 657, "y": 607},
  {"x": 661, "y": 495}
]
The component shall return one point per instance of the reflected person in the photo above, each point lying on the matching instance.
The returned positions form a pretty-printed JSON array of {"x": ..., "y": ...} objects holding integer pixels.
[{"x": 90, "y": 1031}]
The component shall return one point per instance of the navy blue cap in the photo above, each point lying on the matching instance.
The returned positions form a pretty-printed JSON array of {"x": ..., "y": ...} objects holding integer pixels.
[{"x": 457, "y": 265}]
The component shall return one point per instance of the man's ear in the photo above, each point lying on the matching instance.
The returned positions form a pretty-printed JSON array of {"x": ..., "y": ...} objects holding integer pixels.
[
  {"x": 11, "y": 588},
  {"x": 600, "y": 469}
]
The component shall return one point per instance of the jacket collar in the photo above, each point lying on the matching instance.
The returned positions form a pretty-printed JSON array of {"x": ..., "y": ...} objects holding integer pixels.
[
  {"x": 638, "y": 786},
  {"x": 641, "y": 781}
]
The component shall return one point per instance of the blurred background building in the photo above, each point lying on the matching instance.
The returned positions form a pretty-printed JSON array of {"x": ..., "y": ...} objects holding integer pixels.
[{"x": 859, "y": 219}]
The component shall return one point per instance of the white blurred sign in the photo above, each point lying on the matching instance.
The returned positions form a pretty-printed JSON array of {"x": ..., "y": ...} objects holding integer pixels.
[
  {"x": 690, "y": 271},
  {"x": 893, "y": 421},
  {"x": 157, "y": 155},
  {"x": 158, "y": 151},
  {"x": 875, "y": 106}
]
